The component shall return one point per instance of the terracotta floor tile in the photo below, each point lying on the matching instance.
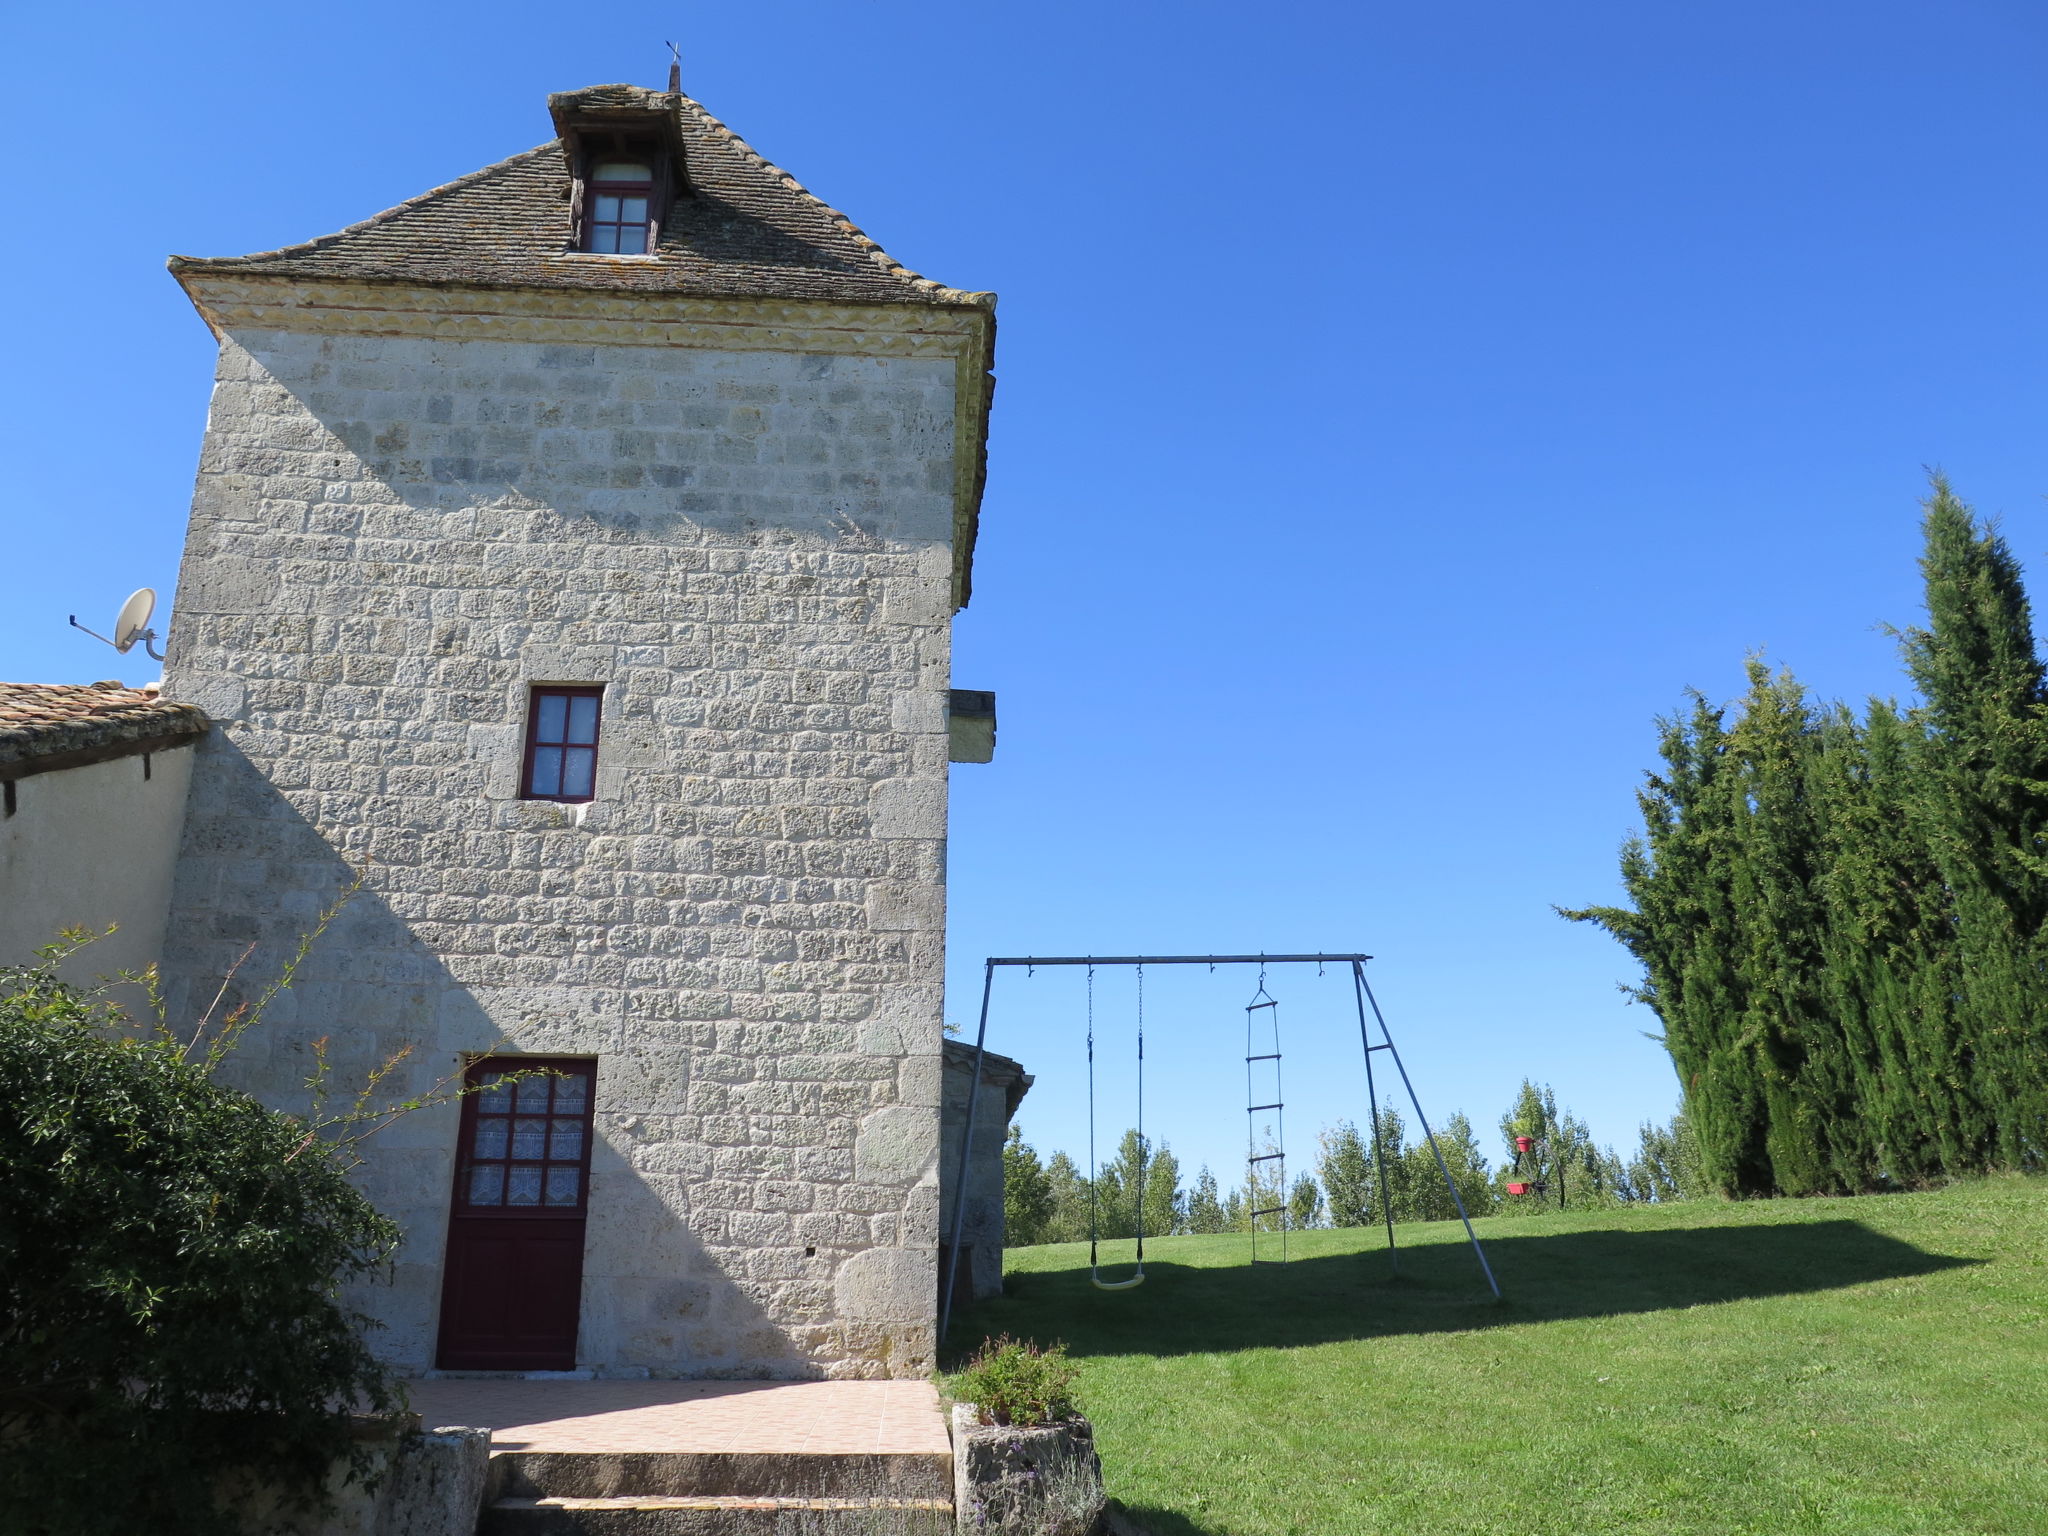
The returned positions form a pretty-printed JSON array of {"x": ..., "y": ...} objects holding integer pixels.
[{"x": 819, "y": 1417}]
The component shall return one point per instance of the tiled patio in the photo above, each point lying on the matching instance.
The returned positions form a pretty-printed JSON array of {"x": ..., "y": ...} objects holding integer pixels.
[{"x": 817, "y": 1418}]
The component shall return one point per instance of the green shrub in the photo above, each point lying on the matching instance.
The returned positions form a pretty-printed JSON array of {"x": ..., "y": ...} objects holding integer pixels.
[
  {"x": 1013, "y": 1381},
  {"x": 170, "y": 1256}
]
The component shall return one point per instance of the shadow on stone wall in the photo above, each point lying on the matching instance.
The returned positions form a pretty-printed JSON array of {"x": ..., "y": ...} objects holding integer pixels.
[
  {"x": 256, "y": 876},
  {"x": 526, "y": 444}
]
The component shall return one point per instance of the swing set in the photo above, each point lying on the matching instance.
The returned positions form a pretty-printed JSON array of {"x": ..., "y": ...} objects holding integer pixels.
[{"x": 1261, "y": 1067}]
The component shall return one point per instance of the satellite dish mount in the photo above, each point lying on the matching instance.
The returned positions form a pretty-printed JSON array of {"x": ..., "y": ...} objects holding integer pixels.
[{"x": 130, "y": 625}]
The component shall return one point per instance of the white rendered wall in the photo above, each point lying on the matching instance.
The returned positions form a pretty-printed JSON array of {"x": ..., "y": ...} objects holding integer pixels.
[
  {"x": 88, "y": 848},
  {"x": 392, "y": 538}
]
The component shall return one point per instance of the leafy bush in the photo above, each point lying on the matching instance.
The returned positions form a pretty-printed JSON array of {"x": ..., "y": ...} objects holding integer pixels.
[
  {"x": 170, "y": 1255},
  {"x": 1015, "y": 1382}
]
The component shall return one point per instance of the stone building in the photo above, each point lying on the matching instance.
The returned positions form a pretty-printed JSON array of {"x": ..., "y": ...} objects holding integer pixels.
[
  {"x": 1003, "y": 1084},
  {"x": 571, "y": 568},
  {"x": 92, "y": 800}
]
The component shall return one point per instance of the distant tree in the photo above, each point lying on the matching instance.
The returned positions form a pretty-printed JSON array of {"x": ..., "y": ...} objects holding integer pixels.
[
  {"x": 1263, "y": 1191},
  {"x": 1028, "y": 1202},
  {"x": 1346, "y": 1169},
  {"x": 1304, "y": 1203},
  {"x": 1069, "y": 1220},
  {"x": 1666, "y": 1165},
  {"x": 1205, "y": 1208},
  {"x": 1235, "y": 1208},
  {"x": 1118, "y": 1192},
  {"x": 1166, "y": 1206},
  {"x": 1429, "y": 1199},
  {"x": 1592, "y": 1178},
  {"x": 1389, "y": 1142}
]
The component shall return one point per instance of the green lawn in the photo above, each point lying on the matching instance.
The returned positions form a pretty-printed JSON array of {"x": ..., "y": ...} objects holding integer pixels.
[{"x": 1862, "y": 1367}]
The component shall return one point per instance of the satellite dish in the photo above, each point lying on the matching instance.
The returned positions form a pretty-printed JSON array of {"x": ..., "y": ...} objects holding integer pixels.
[
  {"x": 133, "y": 622},
  {"x": 131, "y": 625}
]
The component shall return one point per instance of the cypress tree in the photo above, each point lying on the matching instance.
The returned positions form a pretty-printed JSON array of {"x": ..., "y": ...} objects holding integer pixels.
[
  {"x": 1801, "y": 1073},
  {"x": 1890, "y": 964},
  {"x": 1685, "y": 929},
  {"x": 1983, "y": 800},
  {"x": 1843, "y": 925}
]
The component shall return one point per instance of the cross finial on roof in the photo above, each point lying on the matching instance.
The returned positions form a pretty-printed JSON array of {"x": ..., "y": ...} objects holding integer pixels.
[{"x": 675, "y": 70}]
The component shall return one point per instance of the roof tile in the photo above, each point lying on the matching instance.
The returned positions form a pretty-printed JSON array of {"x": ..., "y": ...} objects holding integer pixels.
[
  {"x": 746, "y": 229},
  {"x": 44, "y": 720}
]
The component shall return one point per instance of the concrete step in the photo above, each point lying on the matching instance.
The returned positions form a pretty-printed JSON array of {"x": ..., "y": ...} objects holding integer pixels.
[
  {"x": 721, "y": 1474},
  {"x": 717, "y": 1515}
]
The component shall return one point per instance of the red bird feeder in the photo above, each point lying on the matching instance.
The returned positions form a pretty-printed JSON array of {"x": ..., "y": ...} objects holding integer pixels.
[
  {"x": 1524, "y": 1143},
  {"x": 1518, "y": 1189}
]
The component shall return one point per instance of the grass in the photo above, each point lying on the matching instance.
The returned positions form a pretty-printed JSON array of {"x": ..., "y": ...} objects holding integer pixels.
[{"x": 1868, "y": 1367}]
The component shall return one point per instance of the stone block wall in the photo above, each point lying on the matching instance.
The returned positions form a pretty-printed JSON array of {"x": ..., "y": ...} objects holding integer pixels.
[
  {"x": 749, "y": 546},
  {"x": 1003, "y": 1084}
]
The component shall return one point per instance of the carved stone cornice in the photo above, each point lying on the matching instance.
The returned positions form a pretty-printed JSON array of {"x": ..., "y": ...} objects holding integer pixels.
[{"x": 964, "y": 333}]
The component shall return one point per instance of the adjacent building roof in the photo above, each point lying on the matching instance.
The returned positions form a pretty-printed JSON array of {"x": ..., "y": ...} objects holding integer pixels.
[
  {"x": 997, "y": 1071},
  {"x": 742, "y": 229},
  {"x": 44, "y": 726}
]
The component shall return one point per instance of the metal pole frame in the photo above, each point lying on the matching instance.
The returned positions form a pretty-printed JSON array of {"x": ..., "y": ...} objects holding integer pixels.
[
  {"x": 1387, "y": 1039},
  {"x": 988, "y": 981},
  {"x": 1372, "y": 1102},
  {"x": 1364, "y": 992}
]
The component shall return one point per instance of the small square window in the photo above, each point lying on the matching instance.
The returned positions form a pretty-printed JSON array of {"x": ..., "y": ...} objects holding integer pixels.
[{"x": 561, "y": 744}]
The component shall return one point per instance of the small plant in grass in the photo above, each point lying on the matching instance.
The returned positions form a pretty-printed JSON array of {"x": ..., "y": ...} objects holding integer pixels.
[{"x": 1015, "y": 1382}]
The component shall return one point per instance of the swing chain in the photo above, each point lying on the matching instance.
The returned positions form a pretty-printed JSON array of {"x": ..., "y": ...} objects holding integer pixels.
[
  {"x": 1093, "y": 1181},
  {"x": 1139, "y": 1213}
]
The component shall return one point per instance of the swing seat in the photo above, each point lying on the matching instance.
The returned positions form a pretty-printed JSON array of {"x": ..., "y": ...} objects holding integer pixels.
[{"x": 1095, "y": 1279}]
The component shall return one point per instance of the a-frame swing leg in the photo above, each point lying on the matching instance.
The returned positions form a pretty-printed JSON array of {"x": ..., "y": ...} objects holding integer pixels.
[
  {"x": 1364, "y": 993},
  {"x": 988, "y": 981},
  {"x": 1372, "y": 1104}
]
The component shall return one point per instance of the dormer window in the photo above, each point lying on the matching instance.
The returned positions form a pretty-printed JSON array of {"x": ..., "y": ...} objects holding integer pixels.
[
  {"x": 620, "y": 193},
  {"x": 623, "y": 150}
]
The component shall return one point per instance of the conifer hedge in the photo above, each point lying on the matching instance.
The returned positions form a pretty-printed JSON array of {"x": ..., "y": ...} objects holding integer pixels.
[{"x": 1843, "y": 921}]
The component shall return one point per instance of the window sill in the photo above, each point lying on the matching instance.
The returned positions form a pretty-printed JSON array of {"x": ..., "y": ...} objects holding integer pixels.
[{"x": 653, "y": 257}]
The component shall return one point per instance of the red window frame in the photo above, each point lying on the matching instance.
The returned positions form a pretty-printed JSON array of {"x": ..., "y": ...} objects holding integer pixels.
[
  {"x": 537, "y": 744},
  {"x": 482, "y": 1148},
  {"x": 592, "y": 224}
]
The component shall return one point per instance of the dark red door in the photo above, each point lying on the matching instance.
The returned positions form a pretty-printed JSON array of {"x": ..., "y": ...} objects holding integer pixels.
[{"x": 514, "y": 1277}]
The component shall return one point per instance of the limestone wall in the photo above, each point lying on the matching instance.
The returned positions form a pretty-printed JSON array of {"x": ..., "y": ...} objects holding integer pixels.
[
  {"x": 393, "y": 536},
  {"x": 1003, "y": 1086}
]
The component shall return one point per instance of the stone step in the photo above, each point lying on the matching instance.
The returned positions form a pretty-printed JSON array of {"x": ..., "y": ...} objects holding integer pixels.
[
  {"x": 721, "y": 1474},
  {"x": 717, "y": 1515}
]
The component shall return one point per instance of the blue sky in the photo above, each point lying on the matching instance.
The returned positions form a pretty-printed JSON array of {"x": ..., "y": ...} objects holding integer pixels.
[{"x": 1399, "y": 407}]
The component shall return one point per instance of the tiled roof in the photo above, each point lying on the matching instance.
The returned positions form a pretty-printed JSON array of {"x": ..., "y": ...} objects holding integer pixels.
[
  {"x": 745, "y": 229},
  {"x": 958, "y": 1056},
  {"x": 48, "y": 725}
]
